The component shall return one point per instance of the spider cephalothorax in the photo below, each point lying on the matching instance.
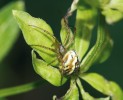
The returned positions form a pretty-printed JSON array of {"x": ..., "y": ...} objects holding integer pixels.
[{"x": 68, "y": 59}]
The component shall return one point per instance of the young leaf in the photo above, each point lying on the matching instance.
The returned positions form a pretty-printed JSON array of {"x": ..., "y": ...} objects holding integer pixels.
[
  {"x": 8, "y": 27},
  {"x": 104, "y": 86},
  {"x": 47, "y": 72},
  {"x": 72, "y": 93},
  {"x": 111, "y": 9},
  {"x": 65, "y": 33},
  {"x": 110, "y": 13},
  {"x": 85, "y": 21},
  {"x": 38, "y": 34}
]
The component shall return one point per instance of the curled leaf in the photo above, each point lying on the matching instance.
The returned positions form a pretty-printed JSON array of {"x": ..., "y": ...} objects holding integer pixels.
[
  {"x": 66, "y": 34},
  {"x": 47, "y": 72}
]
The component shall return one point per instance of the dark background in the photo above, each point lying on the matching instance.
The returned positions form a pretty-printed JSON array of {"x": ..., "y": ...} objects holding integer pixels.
[{"x": 17, "y": 67}]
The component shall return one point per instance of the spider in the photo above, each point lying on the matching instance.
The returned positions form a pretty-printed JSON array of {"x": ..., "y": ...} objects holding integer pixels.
[{"x": 68, "y": 59}]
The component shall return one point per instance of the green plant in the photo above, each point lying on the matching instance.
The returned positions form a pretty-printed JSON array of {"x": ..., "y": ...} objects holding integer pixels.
[{"x": 37, "y": 32}]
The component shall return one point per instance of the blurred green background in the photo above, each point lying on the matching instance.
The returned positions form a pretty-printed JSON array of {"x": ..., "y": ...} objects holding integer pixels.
[{"x": 16, "y": 68}]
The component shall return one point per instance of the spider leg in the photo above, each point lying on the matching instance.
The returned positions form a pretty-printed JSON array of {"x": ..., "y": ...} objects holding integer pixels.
[
  {"x": 52, "y": 61},
  {"x": 68, "y": 31},
  {"x": 45, "y": 31},
  {"x": 71, "y": 40},
  {"x": 69, "y": 43},
  {"x": 42, "y": 46}
]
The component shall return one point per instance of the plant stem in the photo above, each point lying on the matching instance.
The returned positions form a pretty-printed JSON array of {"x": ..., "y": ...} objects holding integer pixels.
[{"x": 20, "y": 89}]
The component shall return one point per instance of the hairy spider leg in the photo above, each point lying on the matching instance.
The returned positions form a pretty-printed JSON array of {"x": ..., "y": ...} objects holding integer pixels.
[
  {"x": 56, "y": 43},
  {"x": 45, "y": 31},
  {"x": 60, "y": 50},
  {"x": 71, "y": 40},
  {"x": 48, "y": 48},
  {"x": 68, "y": 32},
  {"x": 68, "y": 41}
]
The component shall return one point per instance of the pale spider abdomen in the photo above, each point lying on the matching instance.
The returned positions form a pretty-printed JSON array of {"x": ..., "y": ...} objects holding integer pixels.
[{"x": 70, "y": 62}]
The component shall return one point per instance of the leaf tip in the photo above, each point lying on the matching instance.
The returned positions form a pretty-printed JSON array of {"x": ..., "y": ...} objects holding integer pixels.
[{"x": 14, "y": 12}]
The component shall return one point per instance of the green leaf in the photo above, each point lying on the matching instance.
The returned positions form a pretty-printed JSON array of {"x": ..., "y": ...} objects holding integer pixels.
[
  {"x": 8, "y": 27},
  {"x": 37, "y": 33},
  {"x": 47, "y": 72},
  {"x": 72, "y": 93},
  {"x": 111, "y": 9},
  {"x": 104, "y": 86},
  {"x": 117, "y": 6},
  {"x": 98, "y": 82},
  {"x": 85, "y": 21},
  {"x": 86, "y": 95},
  {"x": 110, "y": 13},
  {"x": 102, "y": 46},
  {"x": 116, "y": 91}
]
